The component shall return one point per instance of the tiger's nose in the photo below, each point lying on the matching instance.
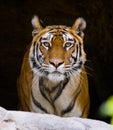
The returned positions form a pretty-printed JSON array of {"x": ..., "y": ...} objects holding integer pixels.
[{"x": 56, "y": 62}]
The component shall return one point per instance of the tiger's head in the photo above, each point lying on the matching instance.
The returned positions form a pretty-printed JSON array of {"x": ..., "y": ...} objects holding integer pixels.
[{"x": 57, "y": 51}]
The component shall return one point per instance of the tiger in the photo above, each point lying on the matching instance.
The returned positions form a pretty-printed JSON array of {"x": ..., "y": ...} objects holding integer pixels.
[{"x": 53, "y": 78}]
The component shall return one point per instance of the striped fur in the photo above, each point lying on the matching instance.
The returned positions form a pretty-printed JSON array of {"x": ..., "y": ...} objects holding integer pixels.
[{"x": 53, "y": 78}]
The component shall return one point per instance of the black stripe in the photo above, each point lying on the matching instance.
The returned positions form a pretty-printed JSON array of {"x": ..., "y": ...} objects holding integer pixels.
[
  {"x": 79, "y": 66},
  {"x": 50, "y": 29},
  {"x": 60, "y": 88},
  {"x": 42, "y": 90},
  {"x": 37, "y": 103},
  {"x": 71, "y": 105},
  {"x": 75, "y": 58},
  {"x": 77, "y": 52},
  {"x": 42, "y": 23},
  {"x": 33, "y": 57},
  {"x": 34, "y": 48},
  {"x": 37, "y": 56},
  {"x": 80, "y": 53},
  {"x": 33, "y": 61},
  {"x": 35, "y": 53}
]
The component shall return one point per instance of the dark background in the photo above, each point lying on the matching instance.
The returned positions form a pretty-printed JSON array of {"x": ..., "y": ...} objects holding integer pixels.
[{"x": 15, "y": 35}]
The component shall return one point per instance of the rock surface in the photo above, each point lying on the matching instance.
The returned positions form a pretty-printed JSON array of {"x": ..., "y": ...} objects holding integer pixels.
[{"x": 18, "y": 120}]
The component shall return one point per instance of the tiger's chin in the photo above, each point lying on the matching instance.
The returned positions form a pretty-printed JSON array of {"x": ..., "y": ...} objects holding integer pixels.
[{"x": 56, "y": 77}]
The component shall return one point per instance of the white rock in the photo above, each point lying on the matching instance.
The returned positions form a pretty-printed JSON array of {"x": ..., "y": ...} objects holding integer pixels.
[{"x": 18, "y": 120}]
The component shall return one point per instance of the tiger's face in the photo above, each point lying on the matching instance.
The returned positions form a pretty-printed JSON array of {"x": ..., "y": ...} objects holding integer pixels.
[{"x": 57, "y": 51}]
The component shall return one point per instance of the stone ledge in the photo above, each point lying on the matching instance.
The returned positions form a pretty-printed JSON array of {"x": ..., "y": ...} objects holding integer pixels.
[{"x": 18, "y": 120}]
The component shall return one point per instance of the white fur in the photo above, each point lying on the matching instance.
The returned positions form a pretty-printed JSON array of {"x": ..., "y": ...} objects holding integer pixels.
[{"x": 56, "y": 77}]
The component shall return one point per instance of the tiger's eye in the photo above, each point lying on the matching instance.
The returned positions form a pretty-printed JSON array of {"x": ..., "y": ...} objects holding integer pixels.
[
  {"x": 46, "y": 44},
  {"x": 68, "y": 44}
]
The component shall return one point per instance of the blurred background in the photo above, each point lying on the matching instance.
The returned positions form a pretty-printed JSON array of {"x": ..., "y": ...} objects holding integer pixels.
[{"x": 15, "y": 35}]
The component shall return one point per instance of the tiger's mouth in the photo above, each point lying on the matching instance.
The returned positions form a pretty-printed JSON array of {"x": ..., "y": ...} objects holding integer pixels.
[{"x": 56, "y": 72}]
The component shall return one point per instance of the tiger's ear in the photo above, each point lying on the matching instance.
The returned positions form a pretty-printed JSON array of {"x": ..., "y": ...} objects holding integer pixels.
[
  {"x": 36, "y": 25},
  {"x": 79, "y": 26}
]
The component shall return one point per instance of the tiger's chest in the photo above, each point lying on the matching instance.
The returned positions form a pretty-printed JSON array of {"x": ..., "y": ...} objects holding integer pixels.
[{"x": 59, "y": 99}]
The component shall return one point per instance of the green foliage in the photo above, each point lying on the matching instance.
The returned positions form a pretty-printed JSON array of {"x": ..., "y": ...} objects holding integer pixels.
[{"x": 106, "y": 109}]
